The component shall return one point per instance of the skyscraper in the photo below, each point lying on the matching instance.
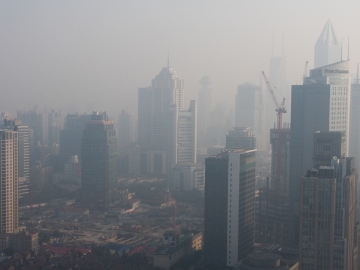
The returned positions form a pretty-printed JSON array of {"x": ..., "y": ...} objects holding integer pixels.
[
  {"x": 182, "y": 136},
  {"x": 55, "y": 125},
  {"x": 204, "y": 109},
  {"x": 322, "y": 103},
  {"x": 249, "y": 111},
  {"x": 98, "y": 164},
  {"x": 34, "y": 120},
  {"x": 327, "y": 47},
  {"x": 71, "y": 135},
  {"x": 354, "y": 150},
  {"x": 327, "y": 217},
  {"x": 166, "y": 91},
  {"x": 125, "y": 129},
  {"x": 229, "y": 216},
  {"x": 9, "y": 217}
]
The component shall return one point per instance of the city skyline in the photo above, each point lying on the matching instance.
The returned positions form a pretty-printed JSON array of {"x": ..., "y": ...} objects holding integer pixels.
[{"x": 67, "y": 62}]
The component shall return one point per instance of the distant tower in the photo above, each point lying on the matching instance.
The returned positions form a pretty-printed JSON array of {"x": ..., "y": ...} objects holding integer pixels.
[
  {"x": 55, "y": 125},
  {"x": 34, "y": 120},
  {"x": 98, "y": 164},
  {"x": 240, "y": 138},
  {"x": 249, "y": 111},
  {"x": 71, "y": 135},
  {"x": 167, "y": 89},
  {"x": 9, "y": 217},
  {"x": 327, "y": 47},
  {"x": 204, "y": 109},
  {"x": 125, "y": 129}
]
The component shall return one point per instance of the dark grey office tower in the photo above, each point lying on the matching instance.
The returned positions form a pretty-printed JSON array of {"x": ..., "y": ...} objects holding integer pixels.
[
  {"x": 98, "y": 164},
  {"x": 71, "y": 135},
  {"x": 327, "y": 216},
  {"x": 229, "y": 217},
  {"x": 326, "y": 146},
  {"x": 240, "y": 138}
]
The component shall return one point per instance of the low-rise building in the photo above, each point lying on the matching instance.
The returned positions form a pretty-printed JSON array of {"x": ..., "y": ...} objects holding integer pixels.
[{"x": 176, "y": 246}]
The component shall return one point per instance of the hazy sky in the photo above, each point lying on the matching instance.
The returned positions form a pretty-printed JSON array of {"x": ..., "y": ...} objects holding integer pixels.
[{"x": 99, "y": 52}]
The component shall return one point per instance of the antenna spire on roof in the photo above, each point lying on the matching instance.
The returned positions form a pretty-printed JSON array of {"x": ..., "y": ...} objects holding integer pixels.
[
  {"x": 272, "y": 54},
  {"x": 348, "y": 48}
]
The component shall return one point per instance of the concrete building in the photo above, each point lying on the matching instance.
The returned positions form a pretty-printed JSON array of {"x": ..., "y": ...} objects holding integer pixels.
[
  {"x": 187, "y": 176},
  {"x": 322, "y": 103},
  {"x": 327, "y": 47},
  {"x": 98, "y": 164},
  {"x": 20, "y": 242},
  {"x": 9, "y": 208},
  {"x": 249, "y": 111},
  {"x": 204, "y": 110},
  {"x": 229, "y": 213},
  {"x": 327, "y": 216}
]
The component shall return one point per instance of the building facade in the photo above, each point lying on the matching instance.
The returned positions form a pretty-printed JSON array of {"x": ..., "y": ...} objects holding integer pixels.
[
  {"x": 322, "y": 103},
  {"x": 98, "y": 164},
  {"x": 229, "y": 217},
  {"x": 327, "y": 216},
  {"x": 9, "y": 208},
  {"x": 187, "y": 176}
]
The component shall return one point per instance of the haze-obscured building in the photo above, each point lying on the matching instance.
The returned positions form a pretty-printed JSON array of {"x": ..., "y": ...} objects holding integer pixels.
[
  {"x": 204, "y": 110},
  {"x": 98, "y": 164}
]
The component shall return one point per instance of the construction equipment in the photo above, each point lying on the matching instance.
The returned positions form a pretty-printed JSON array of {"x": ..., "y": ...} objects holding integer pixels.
[{"x": 280, "y": 109}]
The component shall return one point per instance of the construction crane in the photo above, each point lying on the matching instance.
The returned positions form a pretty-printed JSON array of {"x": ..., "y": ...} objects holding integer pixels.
[{"x": 280, "y": 108}]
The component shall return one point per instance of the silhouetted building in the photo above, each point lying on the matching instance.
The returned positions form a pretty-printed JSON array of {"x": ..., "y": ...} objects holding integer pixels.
[
  {"x": 71, "y": 135},
  {"x": 327, "y": 47},
  {"x": 98, "y": 164},
  {"x": 34, "y": 120},
  {"x": 125, "y": 129},
  {"x": 327, "y": 216},
  {"x": 249, "y": 111},
  {"x": 204, "y": 109},
  {"x": 55, "y": 125},
  {"x": 229, "y": 215}
]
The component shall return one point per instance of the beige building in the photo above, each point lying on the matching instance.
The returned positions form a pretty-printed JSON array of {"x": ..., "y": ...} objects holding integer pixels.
[{"x": 9, "y": 217}]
